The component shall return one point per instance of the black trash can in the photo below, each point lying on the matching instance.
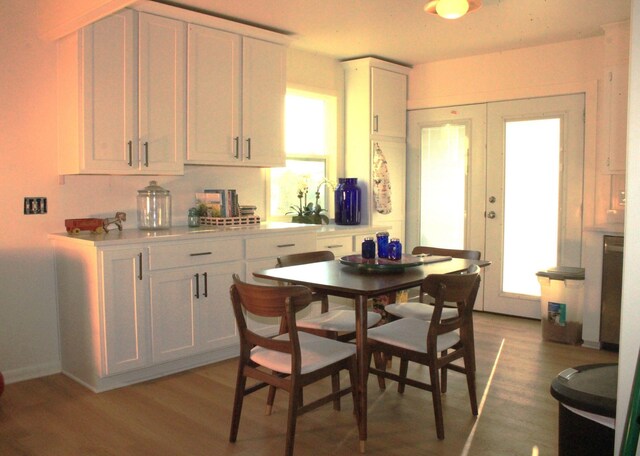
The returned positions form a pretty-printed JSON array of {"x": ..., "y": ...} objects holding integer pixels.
[{"x": 587, "y": 409}]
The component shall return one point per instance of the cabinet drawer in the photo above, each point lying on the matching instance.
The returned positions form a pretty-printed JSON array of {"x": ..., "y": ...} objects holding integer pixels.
[
  {"x": 339, "y": 245},
  {"x": 275, "y": 246},
  {"x": 180, "y": 254}
]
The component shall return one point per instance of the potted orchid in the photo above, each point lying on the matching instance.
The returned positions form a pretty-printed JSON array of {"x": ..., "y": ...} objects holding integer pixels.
[{"x": 310, "y": 212}]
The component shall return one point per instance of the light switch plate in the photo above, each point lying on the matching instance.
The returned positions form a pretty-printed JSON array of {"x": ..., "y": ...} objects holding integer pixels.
[{"x": 35, "y": 205}]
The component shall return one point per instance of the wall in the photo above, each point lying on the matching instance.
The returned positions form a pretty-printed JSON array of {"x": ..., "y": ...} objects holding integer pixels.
[
  {"x": 28, "y": 316},
  {"x": 630, "y": 336}
]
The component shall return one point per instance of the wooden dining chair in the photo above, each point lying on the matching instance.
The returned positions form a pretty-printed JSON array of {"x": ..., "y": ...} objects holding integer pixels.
[
  {"x": 435, "y": 343},
  {"x": 334, "y": 322},
  {"x": 423, "y": 310},
  {"x": 289, "y": 361}
]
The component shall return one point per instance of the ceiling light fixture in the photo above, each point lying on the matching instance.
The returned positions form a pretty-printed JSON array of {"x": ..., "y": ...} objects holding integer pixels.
[{"x": 452, "y": 9}]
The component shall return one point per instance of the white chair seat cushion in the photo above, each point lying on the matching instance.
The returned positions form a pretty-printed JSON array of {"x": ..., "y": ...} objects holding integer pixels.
[
  {"x": 418, "y": 310},
  {"x": 339, "y": 320},
  {"x": 316, "y": 352},
  {"x": 411, "y": 334}
]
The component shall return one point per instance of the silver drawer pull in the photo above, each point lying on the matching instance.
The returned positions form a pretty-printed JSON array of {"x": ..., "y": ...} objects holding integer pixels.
[
  {"x": 200, "y": 254},
  {"x": 286, "y": 245},
  {"x": 335, "y": 246}
]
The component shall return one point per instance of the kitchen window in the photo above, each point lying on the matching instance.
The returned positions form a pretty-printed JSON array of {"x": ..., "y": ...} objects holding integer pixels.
[{"x": 310, "y": 148}]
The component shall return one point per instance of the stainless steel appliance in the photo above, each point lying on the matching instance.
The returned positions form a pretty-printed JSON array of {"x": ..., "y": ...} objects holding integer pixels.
[{"x": 611, "y": 291}]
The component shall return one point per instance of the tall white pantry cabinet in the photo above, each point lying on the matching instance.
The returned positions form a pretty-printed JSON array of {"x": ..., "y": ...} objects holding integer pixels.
[{"x": 375, "y": 113}]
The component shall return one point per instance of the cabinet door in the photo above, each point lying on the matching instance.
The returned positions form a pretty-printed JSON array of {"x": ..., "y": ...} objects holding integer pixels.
[
  {"x": 110, "y": 116},
  {"x": 213, "y": 121},
  {"x": 191, "y": 310},
  {"x": 216, "y": 324},
  {"x": 124, "y": 290},
  {"x": 388, "y": 103},
  {"x": 162, "y": 67},
  {"x": 173, "y": 301},
  {"x": 263, "y": 91}
]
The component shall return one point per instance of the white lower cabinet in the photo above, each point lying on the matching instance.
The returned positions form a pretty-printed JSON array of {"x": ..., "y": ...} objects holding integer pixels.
[
  {"x": 123, "y": 309},
  {"x": 189, "y": 296},
  {"x": 136, "y": 308},
  {"x": 263, "y": 253},
  {"x": 190, "y": 310}
]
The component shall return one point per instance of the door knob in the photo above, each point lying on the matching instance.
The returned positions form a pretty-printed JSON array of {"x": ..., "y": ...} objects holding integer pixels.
[
  {"x": 492, "y": 199},
  {"x": 491, "y": 215}
]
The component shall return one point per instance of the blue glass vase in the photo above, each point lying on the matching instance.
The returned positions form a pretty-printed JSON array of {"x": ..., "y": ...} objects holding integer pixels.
[{"x": 348, "y": 201}]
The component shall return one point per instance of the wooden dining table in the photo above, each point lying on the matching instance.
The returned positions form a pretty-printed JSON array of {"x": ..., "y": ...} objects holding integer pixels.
[{"x": 337, "y": 279}]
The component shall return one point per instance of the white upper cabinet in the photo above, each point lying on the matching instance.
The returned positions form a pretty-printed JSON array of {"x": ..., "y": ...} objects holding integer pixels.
[
  {"x": 236, "y": 99},
  {"x": 388, "y": 103},
  {"x": 264, "y": 87},
  {"x": 162, "y": 106},
  {"x": 213, "y": 120},
  {"x": 613, "y": 110},
  {"x": 122, "y": 104}
]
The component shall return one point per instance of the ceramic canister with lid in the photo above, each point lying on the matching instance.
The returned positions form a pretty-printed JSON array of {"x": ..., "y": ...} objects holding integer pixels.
[{"x": 154, "y": 208}]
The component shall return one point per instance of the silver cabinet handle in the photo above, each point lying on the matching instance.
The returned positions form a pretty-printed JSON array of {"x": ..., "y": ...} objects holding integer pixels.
[
  {"x": 200, "y": 254},
  {"x": 285, "y": 245},
  {"x": 140, "y": 266},
  {"x": 236, "y": 142},
  {"x": 146, "y": 154},
  {"x": 375, "y": 122},
  {"x": 335, "y": 246},
  {"x": 130, "y": 150},
  {"x": 197, "y": 277},
  {"x": 248, "y": 148}
]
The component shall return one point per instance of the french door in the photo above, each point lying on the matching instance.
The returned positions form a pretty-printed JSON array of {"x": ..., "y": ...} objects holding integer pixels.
[{"x": 504, "y": 178}]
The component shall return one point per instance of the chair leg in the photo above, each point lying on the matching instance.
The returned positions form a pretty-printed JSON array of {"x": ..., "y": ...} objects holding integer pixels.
[
  {"x": 238, "y": 399},
  {"x": 404, "y": 367},
  {"x": 443, "y": 375},
  {"x": 271, "y": 396},
  {"x": 381, "y": 363},
  {"x": 292, "y": 416},
  {"x": 437, "y": 399},
  {"x": 469, "y": 367},
  {"x": 335, "y": 388}
]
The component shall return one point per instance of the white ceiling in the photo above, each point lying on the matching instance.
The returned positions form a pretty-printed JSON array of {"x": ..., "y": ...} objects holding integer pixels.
[{"x": 399, "y": 30}]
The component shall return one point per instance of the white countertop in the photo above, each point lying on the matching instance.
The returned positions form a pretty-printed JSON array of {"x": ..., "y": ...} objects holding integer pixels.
[
  {"x": 134, "y": 235},
  {"x": 612, "y": 228}
]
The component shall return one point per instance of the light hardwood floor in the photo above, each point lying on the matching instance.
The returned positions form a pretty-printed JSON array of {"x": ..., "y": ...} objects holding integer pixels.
[{"x": 189, "y": 413}]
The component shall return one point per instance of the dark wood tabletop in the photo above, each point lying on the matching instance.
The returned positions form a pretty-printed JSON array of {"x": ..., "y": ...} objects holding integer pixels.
[{"x": 342, "y": 280}]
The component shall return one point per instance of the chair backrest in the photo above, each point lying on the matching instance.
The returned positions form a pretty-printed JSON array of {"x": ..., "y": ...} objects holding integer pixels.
[
  {"x": 295, "y": 259},
  {"x": 453, "y": 253},
  {"x": 459, "y": 288},
  {"x": 265, "y": 301}
]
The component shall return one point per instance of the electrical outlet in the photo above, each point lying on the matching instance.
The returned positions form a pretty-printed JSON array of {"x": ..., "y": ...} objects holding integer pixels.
[{"x": 35, "y": 205}]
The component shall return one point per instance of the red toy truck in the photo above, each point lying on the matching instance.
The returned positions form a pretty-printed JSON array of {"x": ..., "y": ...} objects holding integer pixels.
[{"x": 95, "y": 225}]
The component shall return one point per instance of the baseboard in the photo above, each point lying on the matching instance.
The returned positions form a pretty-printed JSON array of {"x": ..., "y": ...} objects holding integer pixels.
[
  {"x": 591, "y": 344},
  {"x": 28, "y": 373}
]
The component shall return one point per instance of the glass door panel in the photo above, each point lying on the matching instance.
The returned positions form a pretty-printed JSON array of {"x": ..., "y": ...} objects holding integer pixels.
[
  {"x": 444, "y": 167},
  {"x": 531, "y": 196}
]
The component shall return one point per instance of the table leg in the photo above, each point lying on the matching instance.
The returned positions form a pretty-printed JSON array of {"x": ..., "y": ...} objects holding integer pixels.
[{"x": 363, "y": 368}]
